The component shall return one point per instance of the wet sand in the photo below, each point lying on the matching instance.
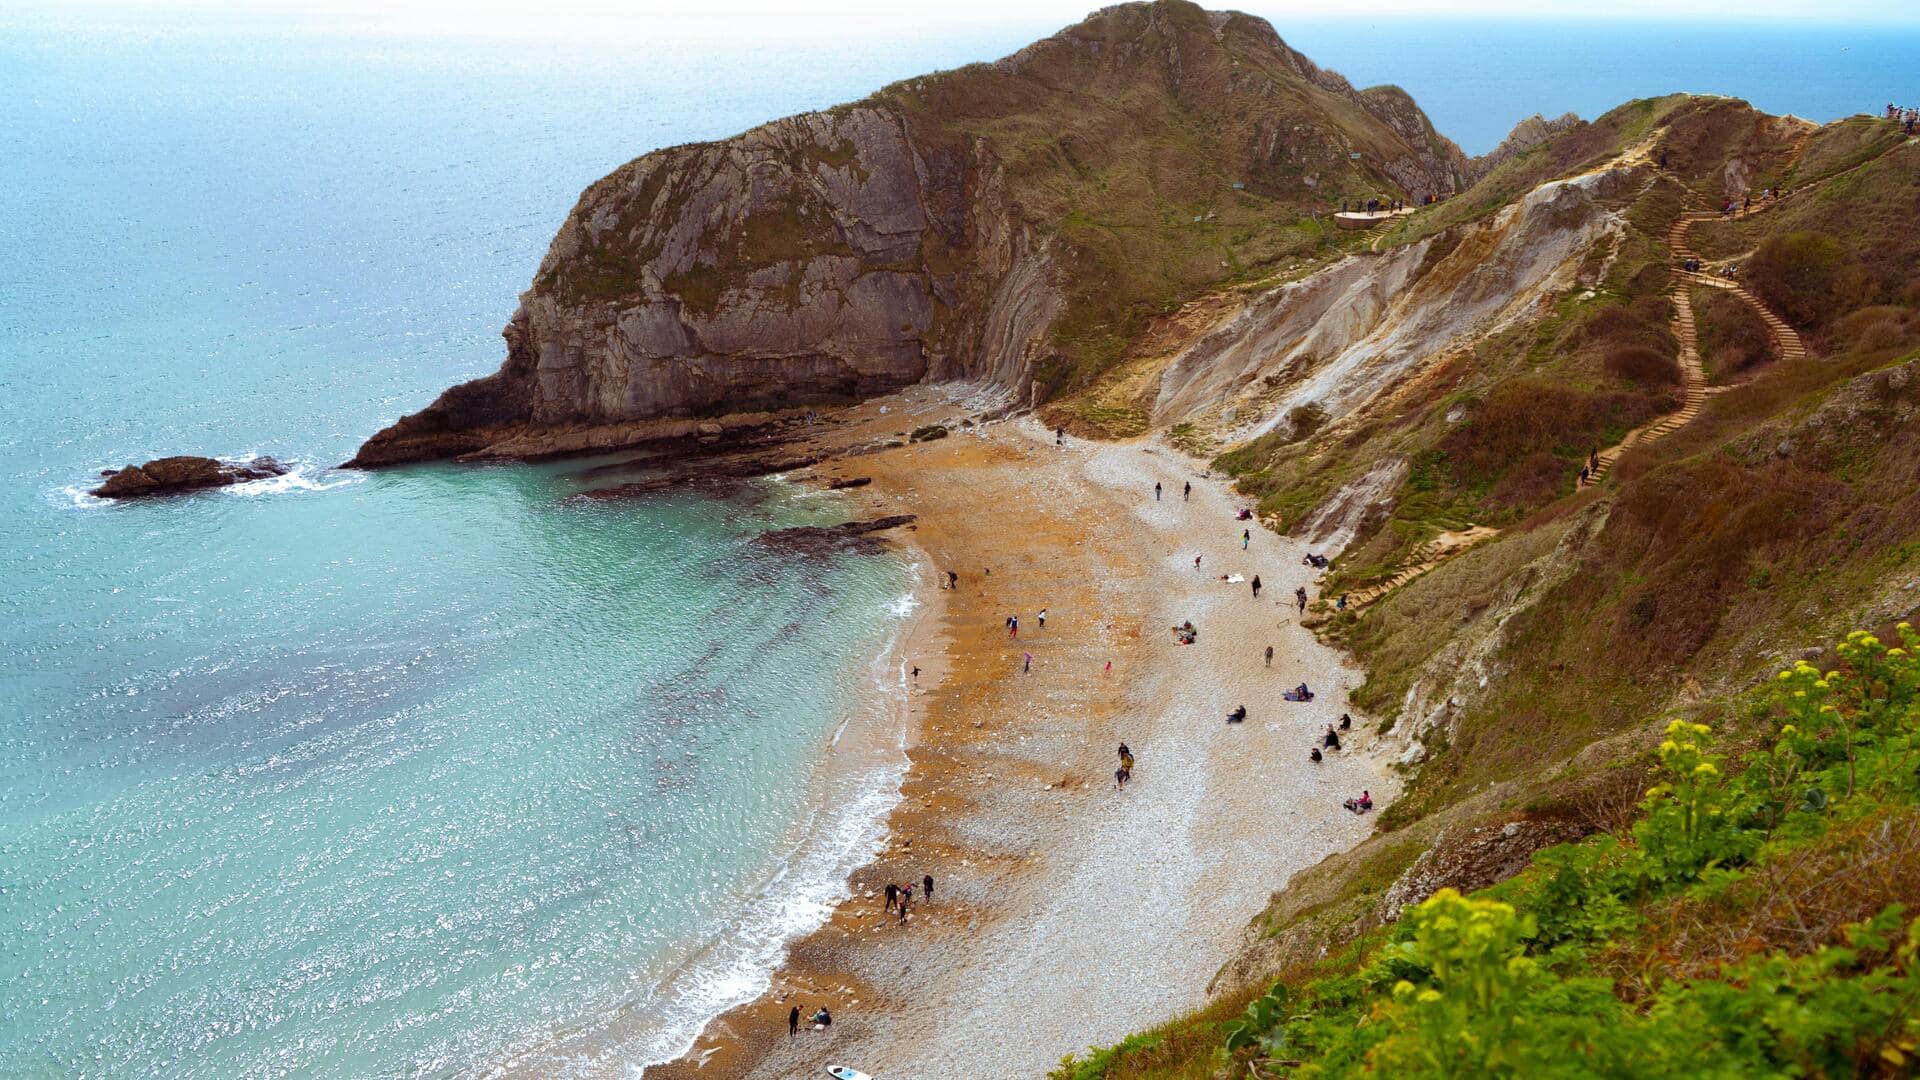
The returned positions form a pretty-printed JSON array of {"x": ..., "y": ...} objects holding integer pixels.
[{"x": 1065, "y": 912}]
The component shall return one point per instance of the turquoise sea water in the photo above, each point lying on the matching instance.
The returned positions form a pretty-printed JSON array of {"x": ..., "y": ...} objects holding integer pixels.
[{"x": 410, "y": 773}]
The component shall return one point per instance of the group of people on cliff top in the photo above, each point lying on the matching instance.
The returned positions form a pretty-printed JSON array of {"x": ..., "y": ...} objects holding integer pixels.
[
  {"x": 1375, "y": 206},
  {"x": 1909, "y": 117}
]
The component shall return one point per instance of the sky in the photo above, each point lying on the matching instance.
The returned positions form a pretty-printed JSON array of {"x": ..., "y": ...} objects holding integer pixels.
[{"x": 638, "y": 17}]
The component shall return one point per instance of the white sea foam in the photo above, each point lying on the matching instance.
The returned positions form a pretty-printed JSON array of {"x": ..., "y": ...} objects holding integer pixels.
[
  {"x": 298, "y": 478},
  {"x": 81, "y": 498}
]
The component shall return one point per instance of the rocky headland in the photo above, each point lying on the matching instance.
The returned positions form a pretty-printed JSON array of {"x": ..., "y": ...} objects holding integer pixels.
[{"x": 1010, "y": 223}]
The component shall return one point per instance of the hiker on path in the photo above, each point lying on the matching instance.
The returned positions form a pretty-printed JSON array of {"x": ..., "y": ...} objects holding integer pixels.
[
  {"x": 1269, "y": 656},
  {"x": 1060, "y": 436},
  {"x": 953, "y": 579},
  {"x": 1256, "y": 586},
  {"x": 1300, "y": 598},
  {"x": 1593, "y": 459},
  {"x": 793, "y": 1022},
  {"x": 1341, "y": 604},
  {"x": 1186, "y": 493},
  {"x": 927, "y": 897},
  {"x": 1156, "y": 491}
]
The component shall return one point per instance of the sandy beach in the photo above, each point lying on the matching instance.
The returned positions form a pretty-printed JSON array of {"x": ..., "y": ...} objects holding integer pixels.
[{"x": 1065, "y": 912}]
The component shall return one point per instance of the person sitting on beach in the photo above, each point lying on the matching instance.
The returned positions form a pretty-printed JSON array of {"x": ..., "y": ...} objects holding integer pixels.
[
  {"x": 822, "y": 1020},
  {"x": 1346, "y": 722},
  {"x": 1313, "y": 755},
  {"x": 1331, "y": 739},
  {"x": 1238, "y": 715},
  {"x": 1360, "y": 805}
]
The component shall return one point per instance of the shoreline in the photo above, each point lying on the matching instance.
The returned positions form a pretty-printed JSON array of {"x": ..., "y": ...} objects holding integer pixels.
[
  {"x": 853, "y": 786},
  {"x": 1015, "y": 814}
]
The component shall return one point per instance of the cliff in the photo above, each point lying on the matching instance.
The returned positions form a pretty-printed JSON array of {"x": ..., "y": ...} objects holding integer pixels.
[{"x": 1015, "y": 223}]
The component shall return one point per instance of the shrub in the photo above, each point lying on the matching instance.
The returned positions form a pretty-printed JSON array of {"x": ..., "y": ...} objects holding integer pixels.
[
  {"x": 1731, "y": 337},
  {"x": 1809, "y": 278},
  {"x": 1643, "y": 366},
  {"x": 1528, "y": 416}
]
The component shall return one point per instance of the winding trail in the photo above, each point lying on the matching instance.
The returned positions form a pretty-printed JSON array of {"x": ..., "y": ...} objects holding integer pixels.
[{"x": 1787, "y": 342}]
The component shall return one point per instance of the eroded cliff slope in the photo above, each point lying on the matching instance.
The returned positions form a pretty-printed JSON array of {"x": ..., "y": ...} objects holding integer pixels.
[{"x": 1014, "y": 222}]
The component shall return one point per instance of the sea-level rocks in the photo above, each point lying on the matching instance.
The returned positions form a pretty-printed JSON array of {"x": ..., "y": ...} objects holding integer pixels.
[
  {"x": 976, "y": 224},
  {"x": 182, "y": 473},
  {"x": 857, "y": 537}
]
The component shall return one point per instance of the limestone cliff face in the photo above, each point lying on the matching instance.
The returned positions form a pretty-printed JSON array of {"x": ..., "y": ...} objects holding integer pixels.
[{"x": 1000, "y": 222}]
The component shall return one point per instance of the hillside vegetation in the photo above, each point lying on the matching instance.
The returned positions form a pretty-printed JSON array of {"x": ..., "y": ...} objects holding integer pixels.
[
  {"x": 1529, "y": 906},
  {"x": 1744, "y": 924}
]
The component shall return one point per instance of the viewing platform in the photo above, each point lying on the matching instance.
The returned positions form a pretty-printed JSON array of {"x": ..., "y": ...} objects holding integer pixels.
[{"x": 1361, "y": 219}]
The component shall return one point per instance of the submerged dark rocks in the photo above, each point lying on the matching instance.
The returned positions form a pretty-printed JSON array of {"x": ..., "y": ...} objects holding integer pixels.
[
  {"x": 173, "y": 475},
  {"x": 853, "y": 536}
]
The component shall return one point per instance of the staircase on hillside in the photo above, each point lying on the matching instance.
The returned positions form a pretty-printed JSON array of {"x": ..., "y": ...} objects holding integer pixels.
[
  {"x": 1786, "y": 341},
  {"x": 1424, "y": 558}
]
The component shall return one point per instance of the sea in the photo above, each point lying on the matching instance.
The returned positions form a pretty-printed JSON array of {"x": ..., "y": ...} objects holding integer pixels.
[{"x": 439, "y": 771}]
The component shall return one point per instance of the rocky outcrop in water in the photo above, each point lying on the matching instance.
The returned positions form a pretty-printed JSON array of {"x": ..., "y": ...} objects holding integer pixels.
[
  {"x": 998, "y": 223},
  {"x": 174, "y": 475},
  {"x": 853, "y": 536}
]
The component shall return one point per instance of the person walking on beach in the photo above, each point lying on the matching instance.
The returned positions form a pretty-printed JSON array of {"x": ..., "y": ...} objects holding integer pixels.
[
  {"x": 927, "y": 897},
  {"x": 1013, "y": 626},
  {"x": 916, "y": 674},
  {"x": 1269, "y": 656},
  {"x": 1196, "y": 562},
  {"x": 793, "y": 1022},
  {"x": 893, "y": 895},
  {"x": 1246, "y": 537},
  {"x": 1186, "y": 493},
  {"x": 1300, "y": 598},
  {"x": 1026, "y": 667},
  {"x": 1043, "y": 618},
  {"x": 953, "y": 580},
  {"x": 906, "y": 901},
  {"x": 1256, "y": 586},
  {"x": 1156, "y": 491}
]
